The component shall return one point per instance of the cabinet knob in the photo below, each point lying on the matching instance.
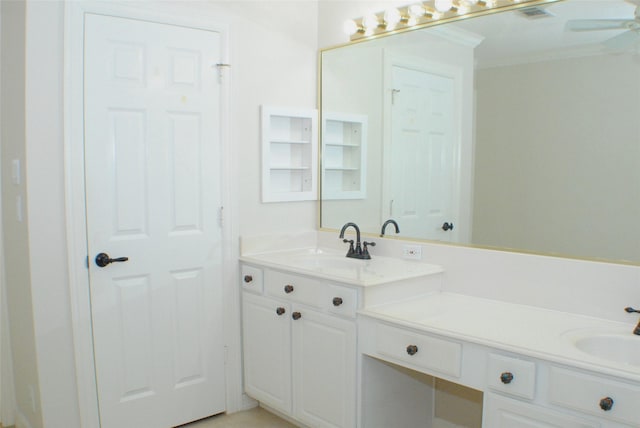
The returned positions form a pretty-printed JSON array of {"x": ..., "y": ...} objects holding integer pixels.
[
  {"x": 606, "y": 404},
  {"x": 337, "y": 301},
  {"x": 412, "y": 349},
  {"x": 296, "y": 315},
  {"x": 506, "y": 377},
  {"x": 280, "y": 310},
  {"x": 248, "y": 278},
  {"x": 288, "y": 288}
]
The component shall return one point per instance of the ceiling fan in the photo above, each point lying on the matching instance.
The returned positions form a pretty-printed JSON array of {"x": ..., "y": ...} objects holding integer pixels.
[{"x": 621, "y": 41}]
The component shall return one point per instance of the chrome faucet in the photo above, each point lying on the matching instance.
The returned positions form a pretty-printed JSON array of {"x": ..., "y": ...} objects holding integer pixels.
[
  {"x": 631, "y": 310},
  {"x": 386, "y": 223},
  {"x": 360, "y": 251}
]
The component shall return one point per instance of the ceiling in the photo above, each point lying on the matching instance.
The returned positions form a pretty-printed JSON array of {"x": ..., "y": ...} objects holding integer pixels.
[{"x": 508, "y": 36}]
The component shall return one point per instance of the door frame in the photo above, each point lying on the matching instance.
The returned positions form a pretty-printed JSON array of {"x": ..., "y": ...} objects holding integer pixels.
[
  {"x": 76, "y": 220},
  {"x": 454, "y": 72}
]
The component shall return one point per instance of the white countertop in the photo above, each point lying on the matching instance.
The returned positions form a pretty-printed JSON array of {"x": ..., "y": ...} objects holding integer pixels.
[
  {"x": 333, "y": 265},
  {"x": 526, "y": 330}
]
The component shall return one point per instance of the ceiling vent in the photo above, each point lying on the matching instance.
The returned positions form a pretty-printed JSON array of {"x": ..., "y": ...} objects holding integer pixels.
[{"x": 535, "y": 13}]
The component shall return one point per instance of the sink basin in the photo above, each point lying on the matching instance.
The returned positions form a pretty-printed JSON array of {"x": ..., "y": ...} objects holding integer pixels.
[{"x": 615, "y": 346}]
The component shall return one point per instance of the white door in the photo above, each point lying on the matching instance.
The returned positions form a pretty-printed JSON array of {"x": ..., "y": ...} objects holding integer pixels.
[
  {"x": 423, "y": 142},
  {"x": 153, "y": 195}
]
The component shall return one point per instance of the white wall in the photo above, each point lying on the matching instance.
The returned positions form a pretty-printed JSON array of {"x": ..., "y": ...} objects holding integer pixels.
[
  {"x": 16, "y": 238},
  {"x": 568, "y": 142}
]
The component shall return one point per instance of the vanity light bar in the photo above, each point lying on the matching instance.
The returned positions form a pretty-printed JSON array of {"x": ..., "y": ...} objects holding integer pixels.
[{"x": 431, "y": 12}]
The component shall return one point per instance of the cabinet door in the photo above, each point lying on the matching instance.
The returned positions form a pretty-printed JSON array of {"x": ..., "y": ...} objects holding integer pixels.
[
  {"x": 324, "y": 370},
  {"x": 267, "y": 350},
  {"x": 502, "y": 412}
]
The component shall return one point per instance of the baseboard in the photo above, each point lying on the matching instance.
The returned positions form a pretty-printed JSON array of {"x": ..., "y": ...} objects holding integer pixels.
[
  {"x": 247, "y": 403},
  {"x": 283, "y": 416}
]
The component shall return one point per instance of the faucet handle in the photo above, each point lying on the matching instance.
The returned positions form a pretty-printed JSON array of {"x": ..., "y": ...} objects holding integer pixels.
[
  {"x": 631, "y": 310},
  {"x": 351, "y": 249},
  {"x": 365, "y": 250}
]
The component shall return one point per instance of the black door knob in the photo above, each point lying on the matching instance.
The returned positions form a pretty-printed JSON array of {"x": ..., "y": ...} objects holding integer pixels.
[
  {"x": 288, "y": 288},
  {"x": 248, "y": 278},
  {"x": 337, "y": 301},
  {"x": 280, "y": 310},
  {"x": 103, "y": 259},
  {"x": 447, "y": 226},
  {"x": 296, "y": 315}
]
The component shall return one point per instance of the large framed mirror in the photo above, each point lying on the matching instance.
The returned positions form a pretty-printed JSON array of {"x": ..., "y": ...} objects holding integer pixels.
[{"x": 517, "y": 130}]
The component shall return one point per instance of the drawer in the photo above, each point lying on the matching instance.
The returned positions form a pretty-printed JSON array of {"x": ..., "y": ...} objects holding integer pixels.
[
  {"x": 419, "y": 350},
  {"x": 587, "y": 393},
  {"x": 251, "y": 278},
  {"x": 511, "y": 375},
  {"x": 295, "y": 288},
  {"x": 342, "y": 300}
]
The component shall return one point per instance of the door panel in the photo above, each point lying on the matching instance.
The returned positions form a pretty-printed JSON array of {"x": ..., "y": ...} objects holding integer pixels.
[
  {"x": 324, "y": 370},
  {"x": 153, "y": 194},
  {"x": 267, "y": 351}
]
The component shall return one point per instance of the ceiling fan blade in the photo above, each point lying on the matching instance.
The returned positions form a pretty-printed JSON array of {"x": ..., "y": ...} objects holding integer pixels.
[
  {"x": 623, "y": 41},
  {"x": 597, "y": 24}
]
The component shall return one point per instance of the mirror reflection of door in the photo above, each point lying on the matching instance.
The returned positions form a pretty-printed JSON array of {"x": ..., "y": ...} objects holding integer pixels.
[{"x": 421, "y": 163}]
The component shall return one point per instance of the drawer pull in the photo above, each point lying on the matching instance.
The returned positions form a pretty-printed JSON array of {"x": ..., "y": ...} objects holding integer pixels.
[
  {"x": 412, "y": 349},
  {"x": 606, "y": 404},
  {"x": 506, "y": 377},
  {"x": 280, "y": 310},
  {"x": 337, "y": 301},
  {"x": 288, "y": 288},
  {"x": 296, "y": 315},
  {"x": 248, "y": 278}
]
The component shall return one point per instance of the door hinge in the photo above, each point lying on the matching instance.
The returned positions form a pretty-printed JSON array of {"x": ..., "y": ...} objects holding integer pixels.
[
  {"x": 221, "y": 216},
  {"x": 393, "y": 95},
  {"x": 221, "y": 66}
]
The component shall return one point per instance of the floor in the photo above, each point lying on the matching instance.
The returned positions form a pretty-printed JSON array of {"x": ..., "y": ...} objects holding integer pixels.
[{"x": 254, "y": 418}]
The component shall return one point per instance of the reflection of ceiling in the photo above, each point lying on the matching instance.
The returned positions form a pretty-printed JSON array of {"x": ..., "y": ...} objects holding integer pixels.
[{"x": 508, "y": 36}]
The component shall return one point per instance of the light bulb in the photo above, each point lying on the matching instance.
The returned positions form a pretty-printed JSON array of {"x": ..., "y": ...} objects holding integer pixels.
[
  {"x": 416, "y": 11},
  {"x": 392, "y": 17},
  {"x": 443, "y": 5},
  {"x": 350, "y": 27},
  {"x": 370, "y": 22}
]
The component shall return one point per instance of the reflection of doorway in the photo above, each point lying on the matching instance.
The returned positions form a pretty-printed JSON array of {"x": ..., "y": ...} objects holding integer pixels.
[{"x": 421, "y": 149}]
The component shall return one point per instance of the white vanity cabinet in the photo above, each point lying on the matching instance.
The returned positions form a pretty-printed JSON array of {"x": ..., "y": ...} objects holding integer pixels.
[
  {"x": 299, "y": 338},
  {"x": 519, "y": 391}
]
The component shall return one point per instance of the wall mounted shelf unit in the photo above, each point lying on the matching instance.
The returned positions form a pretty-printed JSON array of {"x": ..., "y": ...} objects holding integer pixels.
[
  {"x": 289, "y": 154},
  {"x": 344, "y": 154}
]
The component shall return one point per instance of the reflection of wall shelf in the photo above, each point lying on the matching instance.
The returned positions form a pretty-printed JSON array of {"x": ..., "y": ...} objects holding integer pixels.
[
  {"x": 344, "y": 151},
  {"x": 289, "y": 154}
]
